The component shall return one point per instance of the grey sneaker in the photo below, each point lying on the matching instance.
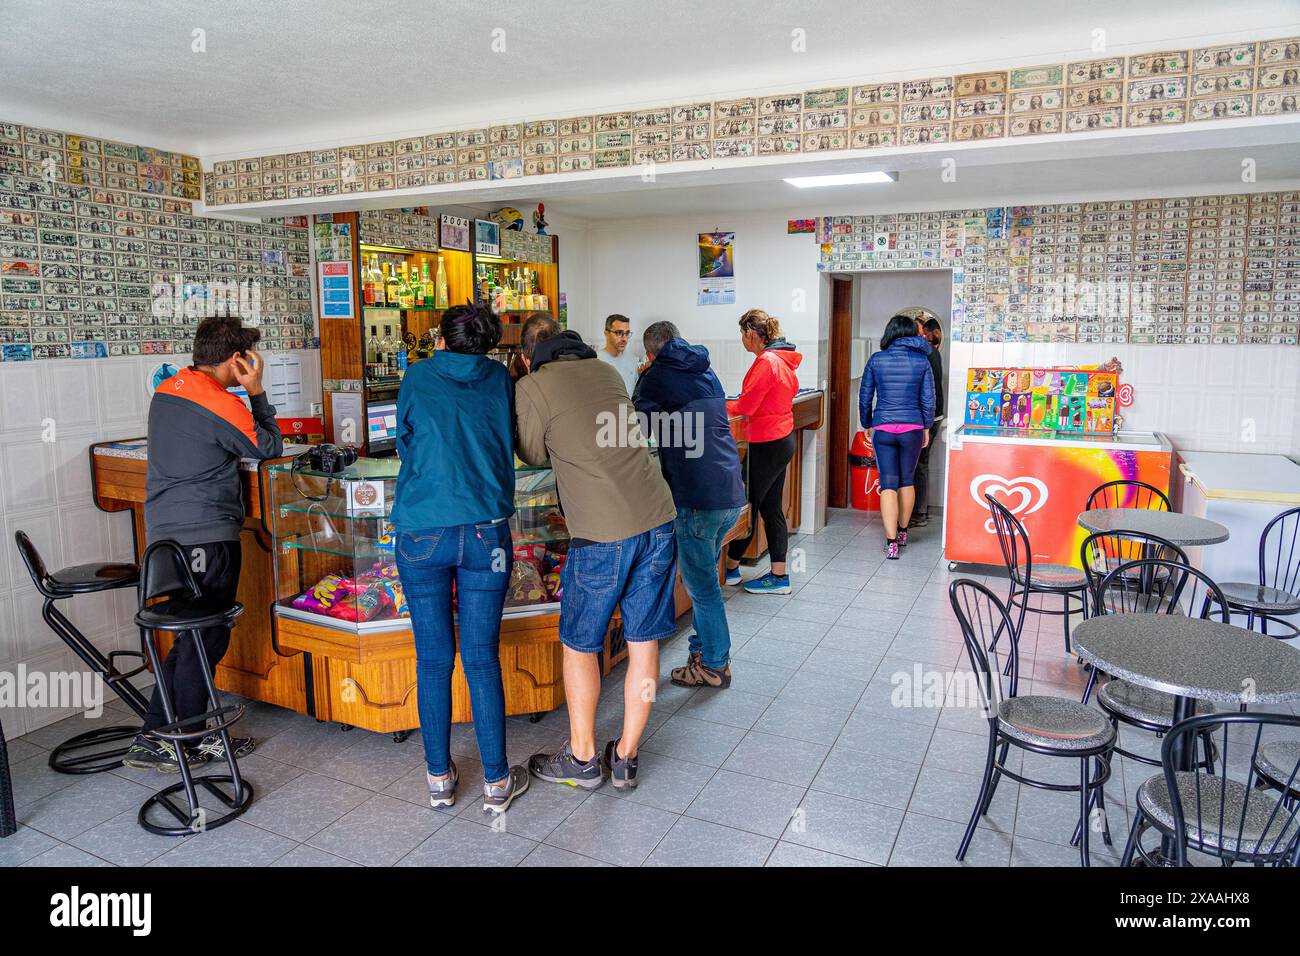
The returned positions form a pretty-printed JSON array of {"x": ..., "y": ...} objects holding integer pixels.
[
  {"x": 622, "y": 770},
  {"x": 442, "y": 793},
  {"x": 564, "y": 767},
  {"x": 212, "y": 747},
  {"x": 150, "y": 753},
  {"x": 497, "y": 799}
]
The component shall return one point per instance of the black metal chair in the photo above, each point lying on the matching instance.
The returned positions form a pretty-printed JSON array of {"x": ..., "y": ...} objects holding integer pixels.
[
  {"x": 1052, "y": 726},
  {"x": 1277, "y": 595},
  {"x": 8, "y": 819},
  {"x": 1127, "y": 493},
  {"x": 171, "y": 601},
  {"x": 1219, "y": 815},
  {"x": 1029, "y": 577},
  {"x": 1103, "y": 552},
  {"x": 1274, "y": 764},
  {"x": 1150, "y": 586},
  {"x": 103, "y": 748}
]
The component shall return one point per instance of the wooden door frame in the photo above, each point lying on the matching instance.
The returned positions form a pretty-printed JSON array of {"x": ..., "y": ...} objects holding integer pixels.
[{"x": 840, "y": 349}]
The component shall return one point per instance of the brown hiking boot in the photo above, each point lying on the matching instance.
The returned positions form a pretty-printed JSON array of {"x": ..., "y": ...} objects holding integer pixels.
[{"x": 696, "y": 674}]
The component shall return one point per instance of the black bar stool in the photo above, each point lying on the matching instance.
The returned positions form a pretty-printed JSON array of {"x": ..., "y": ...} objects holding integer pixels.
[
  {"x": 91, "y": 752},
  {"x": 8, "y": 820},
  {"x": 181, "y": 610}
]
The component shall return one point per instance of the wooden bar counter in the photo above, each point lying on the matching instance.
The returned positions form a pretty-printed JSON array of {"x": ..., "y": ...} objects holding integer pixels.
[{"x": 364, "y": 679}]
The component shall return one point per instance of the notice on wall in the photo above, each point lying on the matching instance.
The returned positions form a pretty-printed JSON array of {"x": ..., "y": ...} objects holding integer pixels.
[
  {"x": 284, "y": 382},
  {"x": 335, "y": 290},
  {"x": 717, "y": 279}
]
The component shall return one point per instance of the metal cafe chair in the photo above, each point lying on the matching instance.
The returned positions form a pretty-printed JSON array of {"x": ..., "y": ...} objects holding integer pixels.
[
  {"x": 1127, "y": 493},
  {"x": 1051, "y": 726},
  {"x": 1277, "y": 595},
  {"x": 104, "y": 747},
  {"x": 1029, "y": 577},
  {"x": 1150, "y": 586},
  {"x": 1232, "y": 819},
  {"x": 1104, "y": 551},
  {"x": 171, "y": 601}
]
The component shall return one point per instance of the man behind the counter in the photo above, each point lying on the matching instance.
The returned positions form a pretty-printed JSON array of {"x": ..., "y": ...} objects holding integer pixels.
[
  {"x": 198, "y": 432},
  {"x": 573, "y": 409}
]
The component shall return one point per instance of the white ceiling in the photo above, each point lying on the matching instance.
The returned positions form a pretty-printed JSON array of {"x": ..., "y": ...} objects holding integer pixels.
[{"x": 292, "y": 73}]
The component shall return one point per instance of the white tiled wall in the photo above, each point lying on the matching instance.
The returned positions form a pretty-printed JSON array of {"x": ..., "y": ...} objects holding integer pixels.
[{"x": 45, "y": 490}]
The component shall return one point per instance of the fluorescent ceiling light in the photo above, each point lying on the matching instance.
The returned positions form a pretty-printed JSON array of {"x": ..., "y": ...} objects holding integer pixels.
[{"x": 842, "y": 179}]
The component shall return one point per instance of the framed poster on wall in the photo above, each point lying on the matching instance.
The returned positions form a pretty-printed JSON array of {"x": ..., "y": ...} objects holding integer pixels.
[
  {"x": 453, "y": 233},
  {"x": 487, "y": 237}
]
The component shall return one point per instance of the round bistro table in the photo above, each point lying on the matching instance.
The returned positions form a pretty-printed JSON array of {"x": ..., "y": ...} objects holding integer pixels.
[
  {"x": 1186, "y": 531},
  {"x": 1192, "y": 659}
]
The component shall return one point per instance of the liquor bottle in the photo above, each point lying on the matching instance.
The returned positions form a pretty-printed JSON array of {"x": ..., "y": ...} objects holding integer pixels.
[
  {"x": 408, "y": 287},
  {"x": 426, "y": 285},
  {"x": 440, "y": 294},
  {"x": 367, "y": 287},
  {"x": 372, "y": 346},
  {"x": 392, "y": 294}
]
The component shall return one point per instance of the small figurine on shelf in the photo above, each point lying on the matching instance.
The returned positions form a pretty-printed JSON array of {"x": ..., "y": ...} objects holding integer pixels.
[{"x": 539, "y": 219}]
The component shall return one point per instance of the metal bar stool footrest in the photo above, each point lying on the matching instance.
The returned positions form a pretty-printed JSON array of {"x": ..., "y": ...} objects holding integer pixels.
[
  {"x": 89, "y": 752},
  {"x": 201, "y": 821},
  {"x": 173, "y": 732}
]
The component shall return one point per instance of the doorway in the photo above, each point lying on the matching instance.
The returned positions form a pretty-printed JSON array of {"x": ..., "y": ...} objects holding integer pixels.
[{"x": 860, "y": 307}]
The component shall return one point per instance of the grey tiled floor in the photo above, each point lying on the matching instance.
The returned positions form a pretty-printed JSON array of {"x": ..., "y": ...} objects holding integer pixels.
[{"x": 808, "y": 760}]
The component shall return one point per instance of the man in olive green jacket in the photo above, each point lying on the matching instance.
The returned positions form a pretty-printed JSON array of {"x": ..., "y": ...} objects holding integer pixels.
[{"x": 573, "y": 411}]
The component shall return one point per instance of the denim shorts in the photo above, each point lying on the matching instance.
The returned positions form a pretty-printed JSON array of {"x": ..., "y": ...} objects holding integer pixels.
[{"x": 637, "y": 574}]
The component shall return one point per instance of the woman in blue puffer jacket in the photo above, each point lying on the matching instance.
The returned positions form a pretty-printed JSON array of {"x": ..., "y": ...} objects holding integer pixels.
[{"x": 900, "y": 382}]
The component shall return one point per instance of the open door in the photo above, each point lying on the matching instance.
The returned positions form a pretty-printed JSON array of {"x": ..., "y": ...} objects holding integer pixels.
[{"x": 841, "y": 402}]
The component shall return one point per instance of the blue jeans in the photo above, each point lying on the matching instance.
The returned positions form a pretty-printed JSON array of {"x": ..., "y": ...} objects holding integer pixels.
[
  {"x": 634, "y": 575},
  {"x": 699, "y": 545},
  {"x": 479, "y": 557}
]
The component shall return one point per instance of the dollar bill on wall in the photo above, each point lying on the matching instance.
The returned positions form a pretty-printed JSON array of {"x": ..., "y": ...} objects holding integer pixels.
[
  {"x": 876, "y": 115},
  {"x": 874, "y": 137},
  {"x": 1228, "y": 107},
  {"x": 1157, "y": 113},
  {"x": 1224, "y": 83},
  {"x": 877, "y": 93},
  {"x": 1276, "y": 103},
  {"x": 1280, "y": 51},
  {"x": 1228, "y": 57},
  {"x": 1281, "y": 76},
  {"x": 1036, "y": 101},
  {"x": 1079, "y": 121},
  {"x": 979, "y": 84},
  {"x": 828, "y": 99},
  {"x": 1035, "y": 77},
  {"x": 1157, "y": 64},
  {"x": 1037, "y": 124},
  {"x": 964, "y": 130},
  {"x": 1167, "y": 88},
  {"x": 1104, "y": 94}
]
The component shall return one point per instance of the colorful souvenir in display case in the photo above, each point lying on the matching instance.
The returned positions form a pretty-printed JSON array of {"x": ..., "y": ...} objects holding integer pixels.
[
  {"x": 336, "y": 560},
  {"x": 1073, "y": 399}
]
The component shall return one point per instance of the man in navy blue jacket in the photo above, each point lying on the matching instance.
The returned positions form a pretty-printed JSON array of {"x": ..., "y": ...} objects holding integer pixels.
[{"x": 686, "y": 410}]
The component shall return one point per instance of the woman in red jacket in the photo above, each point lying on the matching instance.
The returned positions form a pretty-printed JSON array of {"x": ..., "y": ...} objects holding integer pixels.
[{"x": 767, "y": 397}]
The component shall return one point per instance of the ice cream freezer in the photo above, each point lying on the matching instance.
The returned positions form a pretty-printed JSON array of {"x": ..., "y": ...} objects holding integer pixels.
[
  {"x": 1044, "y": 477},
  {"x": 1243, "y": 493}
]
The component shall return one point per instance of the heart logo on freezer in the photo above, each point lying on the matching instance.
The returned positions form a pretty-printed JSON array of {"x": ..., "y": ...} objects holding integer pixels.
[{"x": 1022, "y": 495}]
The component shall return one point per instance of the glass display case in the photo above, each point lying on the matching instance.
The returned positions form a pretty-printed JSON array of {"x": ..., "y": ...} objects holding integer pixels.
[{"x": 335, "y": 548}]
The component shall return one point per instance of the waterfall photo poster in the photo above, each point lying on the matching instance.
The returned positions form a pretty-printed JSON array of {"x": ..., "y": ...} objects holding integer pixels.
[{"x": 717, "y": 279}]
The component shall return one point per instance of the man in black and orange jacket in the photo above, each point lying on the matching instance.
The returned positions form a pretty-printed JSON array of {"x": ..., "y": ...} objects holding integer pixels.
[{"x": 198, "y": 433}]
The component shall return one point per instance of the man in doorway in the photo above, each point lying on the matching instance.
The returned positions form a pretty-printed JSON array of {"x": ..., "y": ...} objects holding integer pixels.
[
  {"x": 618, "y": 332},
  {"x": 198, "y": 432},
  {"x": 574, "y": 411},
  {"x": 686, "y": 409},
  {"x": 932, "y": 332}
]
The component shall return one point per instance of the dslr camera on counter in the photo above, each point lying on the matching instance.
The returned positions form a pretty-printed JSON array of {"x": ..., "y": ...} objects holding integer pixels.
[{"x": 331, "y": 459}]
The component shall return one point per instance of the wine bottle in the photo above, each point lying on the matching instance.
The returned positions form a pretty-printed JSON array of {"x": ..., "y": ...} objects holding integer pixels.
[{"x": 440, "y": 295}]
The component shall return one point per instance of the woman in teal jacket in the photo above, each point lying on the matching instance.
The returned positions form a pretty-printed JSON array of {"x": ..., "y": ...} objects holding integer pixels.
[{"x": 455, "y": 494}]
